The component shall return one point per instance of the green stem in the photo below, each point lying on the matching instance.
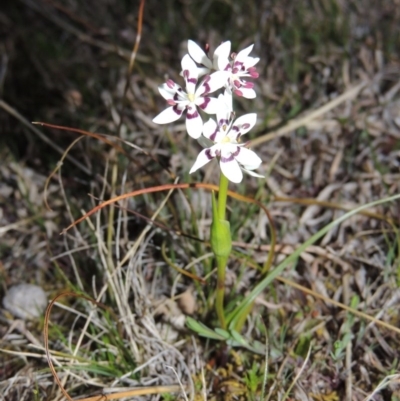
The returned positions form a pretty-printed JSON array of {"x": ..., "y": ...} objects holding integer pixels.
[
  {"x": 219, "y": 300},
  {"x": 221, "y": 244},
  {"x": 222, "y": 195}
]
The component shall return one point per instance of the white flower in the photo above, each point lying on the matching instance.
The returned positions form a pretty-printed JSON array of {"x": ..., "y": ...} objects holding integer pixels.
[
  {"x": 233, "y": 156},
  {"x": 181, "y": 101},
  {"x": 240, "y": 66},
  {"x": 200, "y": 57}
]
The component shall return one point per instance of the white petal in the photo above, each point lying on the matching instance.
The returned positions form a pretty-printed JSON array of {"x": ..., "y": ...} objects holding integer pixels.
[
  {"x": 167, "y": 94},
  {"x": 168, "y": 115},
  {"x": 202, "y": 159},
  {"x": 223, "y": 50},
  {"x": 248, "y": 159},
  {"x": 224, "y": 115},
  {"x": 169, "y": 89},
  {"x": 211, "y": 83},
  {"x": 190, "y": 73},
  {"x": 209, "y": 128},
  {"x": 194, "y": 123},
  {"x": 244, "y": 124},
  {"x": 218, "y": 80},
  {"x": 228, "y": 89},
  {"x": 221, "y": 56},
  {"x": 228, "y": 100},
  {"x": 242, "y": 55},
  {"x": 202, "y": 71},
  {"x": 225, "y": 104},
  {"x": 247, "y": 93},
  {"x": 231, "y": 171},
  {"x": 251, "y": 62},
  {"x": 252, "y": 173},
  {"x": 198, "y": 55},
  {"x": 188, "y": 64},
  {"x": 210, "y": 105},
  {"x": 229, "y": 150}
]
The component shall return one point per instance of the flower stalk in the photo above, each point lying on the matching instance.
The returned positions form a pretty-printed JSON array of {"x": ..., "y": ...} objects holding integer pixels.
[{"x": 221, "y": 245}]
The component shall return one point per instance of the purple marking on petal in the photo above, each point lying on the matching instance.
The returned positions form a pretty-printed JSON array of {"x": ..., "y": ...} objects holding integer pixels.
[
  {"x": 191, "y": 114},
  {"x": 245, "y": 125},
  {"x": 223, "y": 121},
  {"x": 205, "y": 102},
  {"x": 235, "y": 128},
  {"x": 187, "y": 77},
  {"x": 205, "y": 85},
  {"x": 177, "y": 110},
  {"x": 208, "y": 154},
  {"x": 237, "y": 152},
  {"x": 214, "y": 134},
  {"x": 253, "y": 72},
  {"x": 227, "y": 159},
  {"x": 231, "y": 157}
]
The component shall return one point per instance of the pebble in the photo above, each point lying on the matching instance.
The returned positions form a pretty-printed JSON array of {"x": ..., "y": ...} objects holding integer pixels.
[{"x": 25, "y": 301}]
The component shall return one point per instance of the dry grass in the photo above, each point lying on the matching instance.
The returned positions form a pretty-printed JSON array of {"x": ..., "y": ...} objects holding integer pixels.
[{"x": 329, "y": 134}]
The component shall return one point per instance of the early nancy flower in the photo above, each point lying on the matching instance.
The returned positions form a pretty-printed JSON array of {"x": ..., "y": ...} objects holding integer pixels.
[
  {"x": 200, "y": 57},
  {"x": 233, "y": 156},
  {"x": 181, "y": 101},
  {"x": 240, "y": 65}
]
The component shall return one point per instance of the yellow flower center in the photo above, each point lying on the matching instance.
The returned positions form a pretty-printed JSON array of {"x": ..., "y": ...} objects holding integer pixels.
[{"x": 191, "y": 97}]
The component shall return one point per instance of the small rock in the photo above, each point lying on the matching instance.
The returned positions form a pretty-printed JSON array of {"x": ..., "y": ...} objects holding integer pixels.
[
  {"x": 25, "y": 301},
  {"x": 187, "y": 302}
]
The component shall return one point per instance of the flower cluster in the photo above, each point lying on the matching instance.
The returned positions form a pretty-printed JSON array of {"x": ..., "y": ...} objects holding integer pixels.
[{"x": 221, "y": 138}]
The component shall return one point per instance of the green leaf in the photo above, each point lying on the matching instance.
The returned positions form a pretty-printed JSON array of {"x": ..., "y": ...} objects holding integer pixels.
[
  {"x": 223, "y": 333},
  {"x": 260, "y": 287},
  {"x": 239, "y": 339},
  {"x": 202, "y": 330},
  {"x": 303, "y": 346},
  {"x": 355, "y": 300}
]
